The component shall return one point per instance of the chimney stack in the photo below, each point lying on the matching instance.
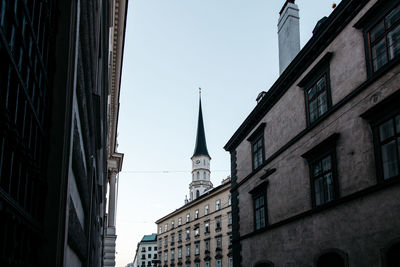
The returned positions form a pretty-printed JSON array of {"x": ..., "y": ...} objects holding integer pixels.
[{"x": 288, "y": 34}]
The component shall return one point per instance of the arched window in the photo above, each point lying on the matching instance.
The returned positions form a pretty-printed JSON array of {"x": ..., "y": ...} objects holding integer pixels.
[
  {"x": 197, "y": 193},
  {"x": 204, "y": 176},
  {"x": 198, "y": 175},
  {"x": 331, "y": 259},
  {"x": 393, "y": 256},
  {"x": 264, "y": 264}
]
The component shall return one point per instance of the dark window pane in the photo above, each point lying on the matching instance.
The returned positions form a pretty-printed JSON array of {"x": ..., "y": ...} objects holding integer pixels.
[
  {"x": 398, "y": 124},
  {"x": 313, "y": 110},
  {"x": 394, "y": 42},
  {"x": 329, "y": 187},
  {"x": 377, "y": 31},
  {"x": 321, "y": 84},
  {"x": 317, "y": 169},
  {"x": 318, "y": 191},
  {"x": 379, "y": 55},
  {"x": 389, "y": 160},
  {"x": 322, "y": 104},
  {"x": 326, "y": 164},
  {"x": 393, "y": 17},
  {"x": 386, "y": 130},
  {"x": 311, "y": 93}
]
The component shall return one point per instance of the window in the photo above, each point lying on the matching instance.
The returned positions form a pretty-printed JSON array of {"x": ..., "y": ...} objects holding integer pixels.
[
  {"x": 230, "y": 200},
  {"x": 218, "y": 223},
  {"x": 155, "y": 248},
  {"x": 198, "y": 175},
  {"x": 218, "y": 242},
  {"x": 389, "y": 147},
  {"x": 159, "y": 242},
  {"x": 172, "y": 239},
  {"x": 149, "y": 248},
  {"x": 204, "y": 176},
  {"x": 207, "y": 227},
  {"x": 197, "y": 231},
  {"x": 322, "y": 169},
  {"x": 230, "y": 262},
  {"x": 187, "y": 234},
  {"x": 180, "y": 253},
  {"x": 165, "y": 241},
  {"x": 165, "y": 227},
  {"x": 197, "y": 193},
  {"x": 172, "y": 254},
  {"x": 229, "y": 218},
  {"x": 149, "y": 256},
  {"x": 180, "y": 236},
  {"x": 257, "y": 150},
  {"x": 165, "y": 255},
  {"x": 188, "y": 217},
  {"x": 206, "y": 210},
  {"x": 207, "y": 264},
  {"x": 322, "y": 179},
  {"x": 229, "y": 240},
  {"x": 187, "y": 264},
  {"x": 179, "y": 221},
  {"x": 317, "y": 98},
  {"x": 196, "y": 264},
  {"x": 331, "y": 259},
  {"x": 172, "y": 224},
  {"x": 160, "y": 230},
  {"x": 217, "y": 204},
  {"x": 259, "y": 209},
  {"x": 197, "y": 248},
  {"x": 219, "y": 263},
  {"x": 384, "y": 39},
  {"x": 196, "y": 214},
  {"x": 207, "y": 245},
  {"x": 187, "y": 250}
]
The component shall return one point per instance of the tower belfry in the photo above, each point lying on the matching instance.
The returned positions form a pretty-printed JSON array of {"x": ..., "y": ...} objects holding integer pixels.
[{"x": 200, "y": 161}]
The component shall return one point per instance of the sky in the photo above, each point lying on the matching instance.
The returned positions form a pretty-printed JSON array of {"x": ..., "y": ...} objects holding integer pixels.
[{"x": 229, "y": 48}]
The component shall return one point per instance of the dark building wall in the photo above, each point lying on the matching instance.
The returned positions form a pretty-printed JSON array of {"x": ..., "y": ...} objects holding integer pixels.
[
  {"x": 53, "y": 137},
  {"x": 362, "y": 219}
]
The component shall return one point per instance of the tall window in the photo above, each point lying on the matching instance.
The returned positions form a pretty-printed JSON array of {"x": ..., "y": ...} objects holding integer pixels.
[
  {"x": 172, "y": 239},
  {"x": 165, "y": 241},
  {"x": 172, "y": 254},
  {"x": 207, "y": 245},
  {"x": 230, "y": 199},
  {"x": 207, "y": 264},
  {"x": 229, "y": 218},
  {"x": 160, "y": 230},
  {"x": 257, "y": 149},
  {"x": 187, "y": 250},
  {"x": 196, "y": 214},
  {"x": 259, "y": 209},
  {"x": 197, "y": 248},
  {"x": 322, "y": 179},
  {"x": 197, "y": 231},
  {"x": 218, "y": 223},
  {"x": 206, "y": 210},
  {"x": 317, "y": 99},
  {"x": 207, "y": 227},
  {"x": 218, "y": 242},
  {"x": 230, "y": 262},
  {"x": 219, "y": 263},
  {"x": 188, "y": 217},
  {"x": 180, "y": 236},
  {"x": 218, "y": 204},
  {"x": 165, "y": 227},
  {"x": 187, "y": 234},
  {"x": 179, "y": 221},
  {"x": 389, "y": 146},
  {"x": 197, "y": 193},
  {"x": 384, "y": 39},
  {"x": 165, "y": 255},
  {"x": 180, "y": 253},
  {"x": 172, "y": 224}
]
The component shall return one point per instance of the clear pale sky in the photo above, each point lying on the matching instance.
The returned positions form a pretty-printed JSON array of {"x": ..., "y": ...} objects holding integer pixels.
[{"x": 229, "y": 48}]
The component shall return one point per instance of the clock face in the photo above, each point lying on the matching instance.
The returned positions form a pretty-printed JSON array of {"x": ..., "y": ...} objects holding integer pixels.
[{"x": 197, "y": 161}]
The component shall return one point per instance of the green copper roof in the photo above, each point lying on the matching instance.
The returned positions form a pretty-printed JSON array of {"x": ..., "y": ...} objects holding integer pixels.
[{"x": 149, "y": 238}]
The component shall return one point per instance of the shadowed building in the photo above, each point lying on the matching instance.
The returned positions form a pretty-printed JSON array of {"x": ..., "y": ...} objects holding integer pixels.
[
  {"x": 60, "y": 72},
  {"x": 315, "y": 166}
]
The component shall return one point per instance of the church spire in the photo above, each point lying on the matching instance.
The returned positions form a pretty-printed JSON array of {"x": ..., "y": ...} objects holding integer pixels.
[{"x": 201, "y": 145}]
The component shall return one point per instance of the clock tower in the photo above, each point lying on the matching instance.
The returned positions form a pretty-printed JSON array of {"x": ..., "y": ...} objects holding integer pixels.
[{"x": 200, "y": 161}]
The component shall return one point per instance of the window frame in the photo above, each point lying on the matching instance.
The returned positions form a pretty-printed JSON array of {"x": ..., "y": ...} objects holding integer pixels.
[
  {"x": 311, "y": 84},
  {"x": 318, "y": 153},
  {"x": 260, "y": 193},
  {"x": 253, "y": 139},
  {"x": 375, "y": 16}
]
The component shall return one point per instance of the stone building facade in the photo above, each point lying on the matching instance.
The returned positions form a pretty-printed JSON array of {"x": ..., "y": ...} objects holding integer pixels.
[
  {"x": 60, "y": 74},
  {"x": 316, "y": 165},
  {"x": 199, "y": 233}
]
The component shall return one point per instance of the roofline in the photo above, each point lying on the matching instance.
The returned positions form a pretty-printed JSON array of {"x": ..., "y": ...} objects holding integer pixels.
[
  {"x": 197, "y": 200},
  {"x": 337, "y": 20}
]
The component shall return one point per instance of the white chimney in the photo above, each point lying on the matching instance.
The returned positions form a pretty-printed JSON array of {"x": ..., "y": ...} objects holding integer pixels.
[{"x": 288, "y": 34}]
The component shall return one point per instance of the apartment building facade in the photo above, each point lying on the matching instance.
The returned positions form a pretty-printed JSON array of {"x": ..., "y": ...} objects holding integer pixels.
[{"x": 199, "y": 233}]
